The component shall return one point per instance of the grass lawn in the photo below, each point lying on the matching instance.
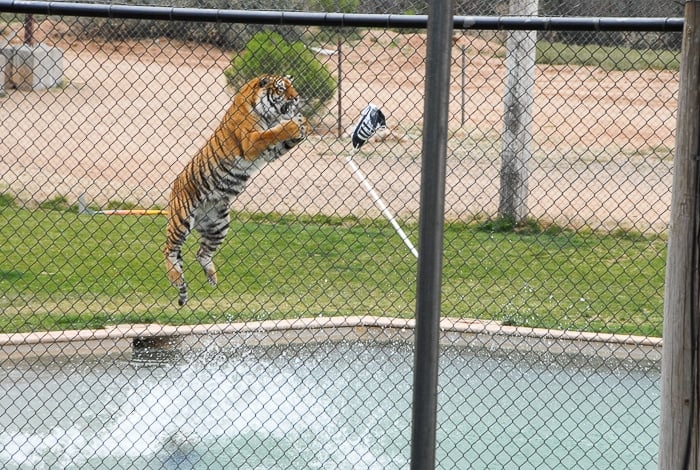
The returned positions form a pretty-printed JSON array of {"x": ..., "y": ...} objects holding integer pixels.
[
  {"x": 608, "y": 57},
  {"x": 60, "y": 270}
]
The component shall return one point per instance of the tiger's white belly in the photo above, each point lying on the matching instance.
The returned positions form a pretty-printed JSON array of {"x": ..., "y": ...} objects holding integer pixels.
[{"x": 233, "y": 176}]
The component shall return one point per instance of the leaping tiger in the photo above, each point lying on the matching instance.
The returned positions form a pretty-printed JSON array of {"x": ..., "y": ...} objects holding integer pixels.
[{"x": 263, "y": 123}]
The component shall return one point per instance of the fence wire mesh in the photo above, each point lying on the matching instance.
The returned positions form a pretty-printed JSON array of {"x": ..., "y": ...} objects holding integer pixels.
[{"x": 300, "y": 357}]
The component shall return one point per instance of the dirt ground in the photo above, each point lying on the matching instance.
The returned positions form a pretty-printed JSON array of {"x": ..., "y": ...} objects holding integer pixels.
[{"x": 131, "y": 114}]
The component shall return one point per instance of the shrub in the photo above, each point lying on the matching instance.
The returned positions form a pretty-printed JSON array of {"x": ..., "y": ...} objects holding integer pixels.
[
  {"x": 57, "y": 203},
  {"x": 269, "y": 53},
  {"x": 341, "y": 6},
  {"x": 6, "y": 200},
  {"x": 224, "y": 35}
]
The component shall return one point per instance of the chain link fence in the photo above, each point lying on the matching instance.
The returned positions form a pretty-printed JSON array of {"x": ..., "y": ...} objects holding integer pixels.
[{"x": 300, "y": 357}]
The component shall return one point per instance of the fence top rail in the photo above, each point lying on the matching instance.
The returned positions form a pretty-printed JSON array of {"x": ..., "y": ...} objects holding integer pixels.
[{"x": 530, "y": 23}]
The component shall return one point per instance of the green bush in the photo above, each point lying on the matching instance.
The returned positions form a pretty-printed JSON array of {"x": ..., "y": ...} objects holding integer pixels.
[
  {"x": 57, "y": 203},
  {"x": 269, "y": 53},
  {"x": 223, "y": 35},
  {"x": 6, "y": 200},
  {"x": 341, "y": 6}
]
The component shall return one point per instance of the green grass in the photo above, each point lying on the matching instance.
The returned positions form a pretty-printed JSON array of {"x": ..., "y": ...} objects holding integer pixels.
[
  {"x": 608, "y": 57},
  {"x": 61, "y": 270}
]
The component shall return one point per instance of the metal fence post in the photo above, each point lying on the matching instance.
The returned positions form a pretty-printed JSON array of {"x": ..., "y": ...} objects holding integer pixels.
[
  {"x": 679, "y": 438},
  {"x": 425, "y": 371}
]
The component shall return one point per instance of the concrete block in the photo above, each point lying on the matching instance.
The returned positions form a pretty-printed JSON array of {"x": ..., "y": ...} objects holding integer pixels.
[{"x": 36, "y": 67}]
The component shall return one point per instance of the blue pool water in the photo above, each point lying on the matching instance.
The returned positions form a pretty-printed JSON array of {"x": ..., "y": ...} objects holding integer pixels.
[{"x": 328, "y": 406}]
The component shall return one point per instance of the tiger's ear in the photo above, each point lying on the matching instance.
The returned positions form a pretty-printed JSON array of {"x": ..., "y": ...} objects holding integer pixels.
[
  {"x": 264, "y": 81},
  {"x": 290, "y": 78}
]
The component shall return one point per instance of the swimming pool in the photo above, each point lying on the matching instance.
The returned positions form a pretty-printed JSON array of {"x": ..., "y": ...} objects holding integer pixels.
[{"x": 335, "y": 405}]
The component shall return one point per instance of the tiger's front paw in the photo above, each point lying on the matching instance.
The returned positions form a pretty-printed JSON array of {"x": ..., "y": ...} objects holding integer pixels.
[
  {"x": 301, "y": 130},
  {"x": 304, "y": 127}
]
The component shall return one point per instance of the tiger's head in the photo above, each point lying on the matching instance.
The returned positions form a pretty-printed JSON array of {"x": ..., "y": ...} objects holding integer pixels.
[{"x": 277, "y": 99}]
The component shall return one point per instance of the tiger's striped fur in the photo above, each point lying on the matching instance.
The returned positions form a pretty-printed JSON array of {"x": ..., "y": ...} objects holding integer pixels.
[{"x": 262, "y": 124}]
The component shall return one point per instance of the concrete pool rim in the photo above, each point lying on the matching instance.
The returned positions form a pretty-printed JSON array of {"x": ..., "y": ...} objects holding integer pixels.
[{"x": 453, "y": 331}]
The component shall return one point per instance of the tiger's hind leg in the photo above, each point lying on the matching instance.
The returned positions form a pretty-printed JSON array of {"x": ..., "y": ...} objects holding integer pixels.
[
  {"x": 173, "y": 263},
  {"x": 177, "y": 232},
  {"x": 213, "y": 227}
]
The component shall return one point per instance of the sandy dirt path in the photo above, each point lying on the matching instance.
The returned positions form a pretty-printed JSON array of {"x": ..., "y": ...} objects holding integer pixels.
[{"x": 132, "y": 114}]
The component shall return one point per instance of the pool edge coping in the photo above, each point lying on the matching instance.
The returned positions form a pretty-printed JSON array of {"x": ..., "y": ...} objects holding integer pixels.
[{"x": 447, "y": 325}]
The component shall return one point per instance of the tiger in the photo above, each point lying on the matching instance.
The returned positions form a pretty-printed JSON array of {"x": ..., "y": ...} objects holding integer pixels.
[{"x": 263, "y": 123}]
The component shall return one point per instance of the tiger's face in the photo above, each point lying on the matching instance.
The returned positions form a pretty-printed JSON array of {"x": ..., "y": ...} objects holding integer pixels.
[{"x": 277, "y": 99}]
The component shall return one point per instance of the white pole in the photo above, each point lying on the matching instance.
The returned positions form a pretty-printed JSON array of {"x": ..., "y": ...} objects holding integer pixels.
[
  {"x": 517, "y": 116},
  {"x": 359, "y": 176}
]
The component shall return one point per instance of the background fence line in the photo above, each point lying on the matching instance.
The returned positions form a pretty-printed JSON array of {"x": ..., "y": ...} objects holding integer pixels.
[{"x": 348, "y": 20}]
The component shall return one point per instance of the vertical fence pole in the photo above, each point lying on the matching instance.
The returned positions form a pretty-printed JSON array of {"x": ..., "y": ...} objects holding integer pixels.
[
  {"x": 340, "y": 84},
  {"x": 463, "y": 86},
  {"x": 436, "y": 108},
  {"x": 517, "y": 116},
  {"x": 678, "y": 434},
  {"x": 29, "y": 29}
]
